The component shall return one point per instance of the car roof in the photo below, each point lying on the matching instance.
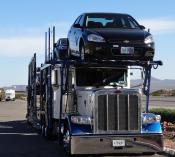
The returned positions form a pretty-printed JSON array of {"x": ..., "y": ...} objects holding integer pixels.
[
  {"x": 62, "y": 39},
  {"x": 105, "y": 13}
]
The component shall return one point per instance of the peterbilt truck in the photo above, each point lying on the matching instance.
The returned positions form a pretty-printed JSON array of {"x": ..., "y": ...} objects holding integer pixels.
[{"x": 91, "y": 108}]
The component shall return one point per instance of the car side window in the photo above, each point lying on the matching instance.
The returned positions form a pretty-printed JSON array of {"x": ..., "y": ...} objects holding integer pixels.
[
  {"x": 81, "y": 21},
  {"x": 77, "y": 20}
]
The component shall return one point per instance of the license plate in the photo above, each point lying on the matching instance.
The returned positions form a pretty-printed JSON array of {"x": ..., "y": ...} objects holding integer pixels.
[
  {"x": 118, "y": 143},
  {"x": 127, "y": 50}
]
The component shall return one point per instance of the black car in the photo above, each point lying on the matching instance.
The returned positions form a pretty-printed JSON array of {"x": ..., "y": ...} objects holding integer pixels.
[
  {"x": 109, "y": 36},
  {"x": 60, "y": 50}
]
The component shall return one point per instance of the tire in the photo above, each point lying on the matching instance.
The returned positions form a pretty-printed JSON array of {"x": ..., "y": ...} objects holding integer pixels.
[
  {"x": 66, "y": 141},
  {"x": 68, "y": 55},
  {"x": 48, "y": 133},
  {"x": 42, "y": 130},
  {"x": 82, "y": 52}
]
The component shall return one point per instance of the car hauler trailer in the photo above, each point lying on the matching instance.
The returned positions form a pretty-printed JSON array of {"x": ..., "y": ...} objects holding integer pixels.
[{"x": 90, "y": 106}]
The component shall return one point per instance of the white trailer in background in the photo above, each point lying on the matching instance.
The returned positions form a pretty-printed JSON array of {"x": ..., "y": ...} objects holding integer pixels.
[{"x": 10, "y": 94}]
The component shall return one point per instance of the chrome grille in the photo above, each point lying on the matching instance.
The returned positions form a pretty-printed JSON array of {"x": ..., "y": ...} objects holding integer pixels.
[
  {"x": 119, "y": 41},
  {"x": 116, "y": 113}
]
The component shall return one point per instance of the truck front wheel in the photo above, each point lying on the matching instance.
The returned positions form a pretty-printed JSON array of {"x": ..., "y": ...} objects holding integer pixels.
[{"x": 66, "y": 141}]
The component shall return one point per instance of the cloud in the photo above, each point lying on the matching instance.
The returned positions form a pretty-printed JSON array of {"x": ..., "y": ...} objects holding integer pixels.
[
  {"x": 159, "y": 25},
  {"x": 21, "y": 46},
  {"x": 19, "y": 42},
  {"x": 61, "y": 30}
]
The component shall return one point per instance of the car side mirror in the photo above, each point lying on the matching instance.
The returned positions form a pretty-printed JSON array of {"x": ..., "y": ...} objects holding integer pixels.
[
  {"x": 142, "y": 27},
  {"x": 55, "y": 44},
  {"x": 77, "y": 25}
]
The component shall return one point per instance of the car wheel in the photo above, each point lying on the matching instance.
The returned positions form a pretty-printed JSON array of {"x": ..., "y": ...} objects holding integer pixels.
[
  {"x": 47, "y": 133},
  {"x": 42, "y": 130},
  {"x": 68, "y": 53},
  {"x": 82, "y": 52},
  {"x": 66, "y": 141}
]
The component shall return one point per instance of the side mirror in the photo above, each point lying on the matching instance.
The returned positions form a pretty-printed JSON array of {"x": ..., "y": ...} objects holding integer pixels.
[
  {"x": 142, "y": 27},
  {"x": 55, "y": 44},
  {"x": 77, "y": 25}
]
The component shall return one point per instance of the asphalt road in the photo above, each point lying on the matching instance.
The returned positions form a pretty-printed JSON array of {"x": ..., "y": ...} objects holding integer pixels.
[
  {"x": 18, "y": 139},
  {"x": 163, "y": 102}
]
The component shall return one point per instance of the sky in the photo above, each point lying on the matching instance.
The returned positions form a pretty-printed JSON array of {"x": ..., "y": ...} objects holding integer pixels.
[{"x": 23, "y": 23}]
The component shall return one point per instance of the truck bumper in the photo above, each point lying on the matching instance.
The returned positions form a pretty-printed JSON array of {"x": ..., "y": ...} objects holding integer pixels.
[{"x": 102, "y": 144}]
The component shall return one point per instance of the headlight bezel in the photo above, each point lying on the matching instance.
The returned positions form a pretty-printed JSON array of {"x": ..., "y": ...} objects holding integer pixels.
[
  {"x": 95, "y": 38},
  {"x": 81, "y": 120},
  {"x": 149, "y": 39}
]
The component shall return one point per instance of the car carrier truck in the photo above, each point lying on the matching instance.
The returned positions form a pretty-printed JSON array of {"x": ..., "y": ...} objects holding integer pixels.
[{"x": 90, "y": 106}]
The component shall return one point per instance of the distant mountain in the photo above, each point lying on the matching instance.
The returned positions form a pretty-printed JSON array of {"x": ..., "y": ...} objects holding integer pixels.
[
  {"x": 17, "y": 88},
  {"x": 157, "y": 84}
]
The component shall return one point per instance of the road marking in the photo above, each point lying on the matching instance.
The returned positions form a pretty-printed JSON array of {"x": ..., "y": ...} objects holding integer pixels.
[{"x": 23, "y": 134}]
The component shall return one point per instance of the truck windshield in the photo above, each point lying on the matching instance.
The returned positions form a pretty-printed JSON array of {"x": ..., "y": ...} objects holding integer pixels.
[{"x": 100, "y": 77}]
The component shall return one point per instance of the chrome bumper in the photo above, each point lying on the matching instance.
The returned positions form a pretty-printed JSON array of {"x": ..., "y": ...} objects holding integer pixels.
[{"x": 102, "y": 144}]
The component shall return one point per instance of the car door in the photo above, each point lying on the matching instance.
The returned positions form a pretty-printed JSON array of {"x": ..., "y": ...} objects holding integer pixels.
[{"x": 72, "y": 37}]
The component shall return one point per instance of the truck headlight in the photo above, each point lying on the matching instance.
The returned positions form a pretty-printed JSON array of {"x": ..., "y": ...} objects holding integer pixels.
[
  {"x": 95, "y": 38},
  {"x": 148, "y": 118},
  {"x": 149, "y": 39},
  {"x": 85, "y": 120}
]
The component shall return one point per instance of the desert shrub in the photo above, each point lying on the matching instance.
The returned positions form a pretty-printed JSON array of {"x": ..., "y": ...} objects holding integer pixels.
[
  {"x": 167, "y": 115},
  {"x": 20, "y": 96}
]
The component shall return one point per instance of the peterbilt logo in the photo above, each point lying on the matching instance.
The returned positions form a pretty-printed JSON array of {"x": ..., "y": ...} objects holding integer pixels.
[{"x": 126, "y": 41}]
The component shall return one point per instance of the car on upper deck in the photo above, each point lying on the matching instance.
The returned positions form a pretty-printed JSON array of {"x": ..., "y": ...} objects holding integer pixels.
[
  {"x": 60, "y": 49},
  {"x": 109, "y": 36}
]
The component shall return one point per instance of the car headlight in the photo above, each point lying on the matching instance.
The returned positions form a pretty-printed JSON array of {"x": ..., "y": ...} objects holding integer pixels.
[
  {"x": 95, "y": 38},
  {"x": 149, "y": 39},
  {"x": 148, "y": 118},
  {"x": 86, "y": 120}
]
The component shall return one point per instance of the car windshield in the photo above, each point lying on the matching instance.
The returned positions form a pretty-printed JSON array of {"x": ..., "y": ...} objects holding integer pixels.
[
  {"x": 101, "y": 77},
  {"x": 110, "y": 21}
]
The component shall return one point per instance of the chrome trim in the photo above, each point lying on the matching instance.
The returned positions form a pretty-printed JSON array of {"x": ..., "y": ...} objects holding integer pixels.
[
  {"x": 107, "y": 113},
  {"x": 127, "y": 93},
  {"x": 128, "y": 114},
  {"x": 102, "y": 144},
  {"x": 117, "y": 112},
  {"x": 126, "y": 41}
]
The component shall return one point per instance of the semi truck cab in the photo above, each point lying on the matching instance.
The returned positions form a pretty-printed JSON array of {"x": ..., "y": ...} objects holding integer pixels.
[{"x": 101, "y": 113}]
